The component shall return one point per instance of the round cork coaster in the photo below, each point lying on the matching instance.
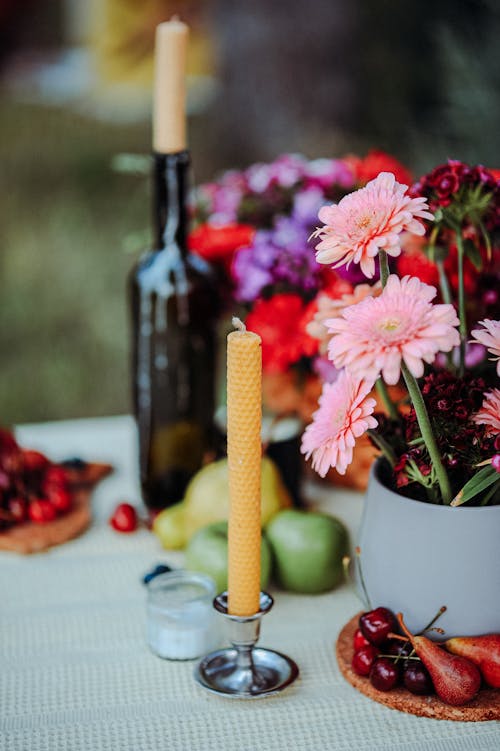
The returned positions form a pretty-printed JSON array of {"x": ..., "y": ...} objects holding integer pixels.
[
  {"x": 29, "y": 537},
  {"x": 486, "y": 705}
]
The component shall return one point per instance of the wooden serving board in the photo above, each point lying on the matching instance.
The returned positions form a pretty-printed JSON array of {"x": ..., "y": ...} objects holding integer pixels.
[
  {"x": 29, "y": 537},
  {"x": 486, "y": 705}
]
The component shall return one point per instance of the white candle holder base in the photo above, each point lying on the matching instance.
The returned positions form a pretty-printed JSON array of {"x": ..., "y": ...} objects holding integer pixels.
[{"x": 244, "y": 671}]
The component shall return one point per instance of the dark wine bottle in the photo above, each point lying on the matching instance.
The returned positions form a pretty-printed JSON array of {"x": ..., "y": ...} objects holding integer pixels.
[
  {"x": 173, "y": 299},
  {"x": 174, "y": 315}
]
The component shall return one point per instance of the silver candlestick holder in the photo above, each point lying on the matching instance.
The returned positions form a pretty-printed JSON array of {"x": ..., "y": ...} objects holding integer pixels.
[{"x": 244, "y": 671}]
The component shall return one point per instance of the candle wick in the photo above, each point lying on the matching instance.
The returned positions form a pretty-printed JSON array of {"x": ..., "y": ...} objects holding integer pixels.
[
  {"x": 238, "y": 324},
  {"x": 175, "y": 18}
]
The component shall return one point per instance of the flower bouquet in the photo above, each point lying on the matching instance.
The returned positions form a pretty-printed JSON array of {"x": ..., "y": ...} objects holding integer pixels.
[
  {"x": 255, "y": 225},
  {"x": 442, "y": 441}
]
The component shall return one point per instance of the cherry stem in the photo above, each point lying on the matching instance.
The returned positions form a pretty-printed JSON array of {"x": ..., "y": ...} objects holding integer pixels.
[
  {"x": 431, "y": 623},
  {"x": 396, "y": 658}
]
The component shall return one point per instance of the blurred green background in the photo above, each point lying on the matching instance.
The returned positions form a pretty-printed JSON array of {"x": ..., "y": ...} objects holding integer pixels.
[{"x": 264, "y": 79}]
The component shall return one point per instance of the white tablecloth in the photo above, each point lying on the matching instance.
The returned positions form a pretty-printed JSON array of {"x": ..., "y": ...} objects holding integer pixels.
[{"x": 76, "y": 674}]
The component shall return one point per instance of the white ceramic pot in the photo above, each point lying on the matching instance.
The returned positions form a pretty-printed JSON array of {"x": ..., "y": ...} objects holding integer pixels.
[{"x": 418, "y": 556}]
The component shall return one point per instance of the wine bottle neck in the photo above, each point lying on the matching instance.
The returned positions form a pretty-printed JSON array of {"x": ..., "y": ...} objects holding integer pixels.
[{"x": 170, "y": 178}]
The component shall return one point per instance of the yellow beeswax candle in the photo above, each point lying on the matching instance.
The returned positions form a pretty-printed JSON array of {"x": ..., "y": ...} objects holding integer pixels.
[
  {"x": 244, "y": 449},
  {"x": 169, "y": 103}
]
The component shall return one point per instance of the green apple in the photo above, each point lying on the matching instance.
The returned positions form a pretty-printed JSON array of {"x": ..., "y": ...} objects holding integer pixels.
[
  {"x": 207, "y": 552},
  {"x": 307, "y": 548}
]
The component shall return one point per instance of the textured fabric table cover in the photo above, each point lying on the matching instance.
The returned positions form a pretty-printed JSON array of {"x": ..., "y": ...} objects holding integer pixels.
[{"x": 76, "y": 673}]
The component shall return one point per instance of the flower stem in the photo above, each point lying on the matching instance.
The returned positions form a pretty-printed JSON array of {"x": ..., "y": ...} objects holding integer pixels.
[
  {"x": 382, "y": 444},
  {"x": 446, "y": 295},
  {"x": 461, "y": 300},
  {"x": 384, "y": 267},
  {"x": 424, "y": 424},
  {"x": 386, "y": 399},
  {"x": 443, "y": 283}
]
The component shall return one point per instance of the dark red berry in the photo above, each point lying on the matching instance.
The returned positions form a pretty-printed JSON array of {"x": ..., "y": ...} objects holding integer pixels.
[
  {"x": 4, "y": 480},
  {"x": 416, "y": 678},
  {"x": 18, "y": 507},
  {"x": 55, "y": 476},
  {"x": 60, "y": 498},
  {"x": 363, "y": 658},
  {"x": 359, "y": 640},
  {"x": 41, "y": 511},
  {"x": 34, "y": 461},
  {"x": 384, "y": 674},
  {"x": 124, "y": 518},
  {"x": 377, "y": 624}
]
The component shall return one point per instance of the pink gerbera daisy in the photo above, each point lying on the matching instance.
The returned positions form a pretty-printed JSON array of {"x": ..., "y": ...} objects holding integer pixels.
[
  {"x": 402, "y": 324},
  {"x": 368, "y": 220},
  {"x": 489, "y": 414},
  {"x": 328, "y": 307},
  {"x": 344, "y": 414},
  {"x": 490, "y": 338}
]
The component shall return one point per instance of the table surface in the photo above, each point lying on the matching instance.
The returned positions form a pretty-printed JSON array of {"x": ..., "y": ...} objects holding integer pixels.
[{"x": 76, "y": 673}]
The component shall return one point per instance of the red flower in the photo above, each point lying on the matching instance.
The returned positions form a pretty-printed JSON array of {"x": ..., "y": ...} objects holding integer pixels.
[
  {"x": 215, "y": 243},
  {"x": 279, "y": 322},
  {"x": 414, "y": 262},
  {"x": 377, "y": 161}
]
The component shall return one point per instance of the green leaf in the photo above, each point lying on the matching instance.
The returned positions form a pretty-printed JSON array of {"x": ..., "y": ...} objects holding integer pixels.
[
  {"x": 481, "y": 480},
  {"x": 472, "y": 252}
]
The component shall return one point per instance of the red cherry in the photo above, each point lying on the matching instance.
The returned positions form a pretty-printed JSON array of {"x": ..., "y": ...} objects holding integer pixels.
[
  {"x": 384, "y": 674},
  {"x": 377, "y": 624},
  {"x": 19, "y": 509},
  {"x": 363, "y": 659},
  {"x": 41, "y": 511},
  {"x": 359, "y": 640},
  {"x": 124, "y": 518},
  {"x": 34, "y": 461},
  {"x": 60, "y": 498}
]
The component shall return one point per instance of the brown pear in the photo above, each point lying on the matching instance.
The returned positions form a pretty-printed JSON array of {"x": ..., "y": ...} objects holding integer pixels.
[
  {"x": 456, "y": 679},
  {"x": 484, "y": 651}
]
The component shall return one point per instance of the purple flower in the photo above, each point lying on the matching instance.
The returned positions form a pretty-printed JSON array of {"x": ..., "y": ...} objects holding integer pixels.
[
  {"x": 306, "y": 205},
  {"x": 327, "y": 172},
  {"x": 325, "y": 369},
  {"x": 280, "y": 257}
]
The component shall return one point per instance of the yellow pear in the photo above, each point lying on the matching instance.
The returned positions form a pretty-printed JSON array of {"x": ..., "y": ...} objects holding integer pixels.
[
  {"x": 169, "y": 526},
  {"x": 207, "y": 501}
]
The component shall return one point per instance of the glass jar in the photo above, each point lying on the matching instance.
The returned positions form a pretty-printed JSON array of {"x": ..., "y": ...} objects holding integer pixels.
[{"x": 181, "y": 620}]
